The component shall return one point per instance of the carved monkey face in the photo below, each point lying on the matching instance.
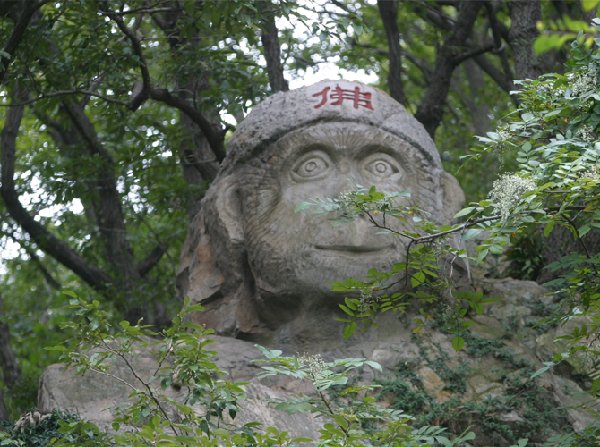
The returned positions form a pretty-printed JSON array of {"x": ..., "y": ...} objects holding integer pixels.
[{"x": 295, "y": 254}]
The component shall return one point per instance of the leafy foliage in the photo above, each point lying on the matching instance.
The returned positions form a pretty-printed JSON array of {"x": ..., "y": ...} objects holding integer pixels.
[
  {"x": 35, "y": 430},
  {"x": 202, "y": 415},
  {"x": 554, "y": 135}
]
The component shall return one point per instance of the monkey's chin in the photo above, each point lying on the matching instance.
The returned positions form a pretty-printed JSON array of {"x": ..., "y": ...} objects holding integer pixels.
[{"x": 323, "y": 267}]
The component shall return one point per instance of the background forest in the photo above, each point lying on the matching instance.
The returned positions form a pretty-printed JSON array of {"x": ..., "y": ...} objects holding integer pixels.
[{"x": 115, "y": 116}]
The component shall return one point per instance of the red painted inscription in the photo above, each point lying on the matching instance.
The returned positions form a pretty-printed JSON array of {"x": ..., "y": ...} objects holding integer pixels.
[{"x": 338, "y": 95}]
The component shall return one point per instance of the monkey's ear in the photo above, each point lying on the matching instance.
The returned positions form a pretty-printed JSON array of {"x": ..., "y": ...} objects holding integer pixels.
[
  {"x": 453, "y": 197},
  {"x": 229, "y": 210},
  {"x": 210, "y": 267}
]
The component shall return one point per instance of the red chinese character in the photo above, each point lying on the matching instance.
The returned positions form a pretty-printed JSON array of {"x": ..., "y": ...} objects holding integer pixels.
[
  {"x": 359, "y": 98},
  {"x": 323, "y": 94},
  {"x": 338, "y": 95}
]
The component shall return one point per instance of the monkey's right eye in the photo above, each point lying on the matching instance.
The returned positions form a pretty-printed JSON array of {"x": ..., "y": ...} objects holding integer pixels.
[{"x": 311, "y": 166}]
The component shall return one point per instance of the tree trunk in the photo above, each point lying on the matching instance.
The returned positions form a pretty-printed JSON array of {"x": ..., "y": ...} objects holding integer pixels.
[
  {"x": 388, "y": 9},
  {"x": 11, "y": 372},
  {"x": 523, "y": 17},
  {"x": 269, "y": 36}
]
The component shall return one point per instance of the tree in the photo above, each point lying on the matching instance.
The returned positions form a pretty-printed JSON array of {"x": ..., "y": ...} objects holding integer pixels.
[{"x": 113, "y": 118}]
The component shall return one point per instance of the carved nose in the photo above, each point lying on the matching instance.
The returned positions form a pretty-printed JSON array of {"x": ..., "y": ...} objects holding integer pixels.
[{"x": 362, "y": 233}]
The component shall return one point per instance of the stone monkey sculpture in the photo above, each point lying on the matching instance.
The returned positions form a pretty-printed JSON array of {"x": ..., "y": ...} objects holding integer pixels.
[{"x": 261, "y": 269}]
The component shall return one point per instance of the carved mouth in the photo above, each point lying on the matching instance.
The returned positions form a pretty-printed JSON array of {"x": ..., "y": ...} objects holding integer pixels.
[{"x": 351, "y": 249}]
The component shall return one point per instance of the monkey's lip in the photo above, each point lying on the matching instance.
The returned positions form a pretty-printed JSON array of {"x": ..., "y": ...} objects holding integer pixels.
[{"x": 359, "y": 249}]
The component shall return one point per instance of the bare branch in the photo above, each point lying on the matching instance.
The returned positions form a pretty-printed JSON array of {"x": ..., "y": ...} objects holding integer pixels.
[
  {"x": 86, "y": 129},
  {"x": 111, "y": 219},
  {"x": 213, "y": 136},
  {"x": 474, "y": 53},
  {"x": 143, "y": 94},
  {"x": 8, "y": 359},
  {"x": 497, "y": 76}
]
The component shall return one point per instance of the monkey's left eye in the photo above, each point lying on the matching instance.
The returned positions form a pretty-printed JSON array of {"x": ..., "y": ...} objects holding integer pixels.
[
  {"x": 381, "y": 165},
  {"x": 312, "y": 166}
]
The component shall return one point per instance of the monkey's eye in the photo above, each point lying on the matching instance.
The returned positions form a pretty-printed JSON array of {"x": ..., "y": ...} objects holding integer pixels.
[
  {"x": 381, "y": 165},
  {"x": 311, "y": 166}
]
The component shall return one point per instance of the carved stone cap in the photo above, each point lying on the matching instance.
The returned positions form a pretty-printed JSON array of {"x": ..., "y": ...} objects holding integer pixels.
[{"x": 331, "y": 100}]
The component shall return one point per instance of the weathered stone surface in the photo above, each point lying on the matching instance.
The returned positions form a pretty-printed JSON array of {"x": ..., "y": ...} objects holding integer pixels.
[
  {"x": 98, "y": 397},
  {"x": 264, "y": 272},
  {"x": 486, "y": 383}
]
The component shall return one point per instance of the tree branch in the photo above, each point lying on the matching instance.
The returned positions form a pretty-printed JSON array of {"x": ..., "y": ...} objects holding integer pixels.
[
  {"x": 523, "y": 19},
  {"x": 434, "y": 16},
  {"x": 213, "y": 136},
  {"x": 56, "y": 248},
  {"x": 33, "y": 257},
  {"x": 388, "y": 10},
  {"x": 474, "y": 53},
  {"x": 497, "y": 76},
  {"x": 430, "y": 111},
  {"x": 151, "y": 260},
  {"x": 111, "y": 220},
  {"x": 59, "y": 93},
  {"x": 8, "y": 359},
  {"x": 11, "y": 373},
  {"x": 8, "y": 52},
  {"x": 143, "y": 94},
  {"x": 269, "y": 38}
]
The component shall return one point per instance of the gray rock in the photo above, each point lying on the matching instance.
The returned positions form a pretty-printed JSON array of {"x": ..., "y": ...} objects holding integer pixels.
[
  {"x": 98, "y": 397},
  {"x": 263, "y": 272}
]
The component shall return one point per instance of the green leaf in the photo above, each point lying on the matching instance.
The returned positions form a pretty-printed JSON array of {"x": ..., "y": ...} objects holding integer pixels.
[
  {"x": 548, "y": 42},
  {"x": 471, "y": 233},
  {"x": 458, "y": 343},
  {"x": 295, "y": 406},
  {"x": 417, "y": 279},
  {"x": 464, "y": 212},
  {"x": 349, "y": 330},
  {"x": 546, "y": 367},
  {"x": 548, "y": 228}
]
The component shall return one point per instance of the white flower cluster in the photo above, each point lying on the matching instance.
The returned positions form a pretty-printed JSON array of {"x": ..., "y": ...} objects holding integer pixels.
[
  {"x": 587, "y": 134},
  {"x": 315, "y": 364},
  {"x": 347, "y": 199},
  {"x": 507, "y": 191},
  {"x": 366, "y": 296},
  {"x": 583, "y": 83},
  {"x": 592, "y": 173},
  {"x": 548, "y": 88}
]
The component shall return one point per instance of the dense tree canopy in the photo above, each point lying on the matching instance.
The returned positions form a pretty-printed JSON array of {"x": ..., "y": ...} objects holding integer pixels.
[{"x": 115, "y": 115}]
